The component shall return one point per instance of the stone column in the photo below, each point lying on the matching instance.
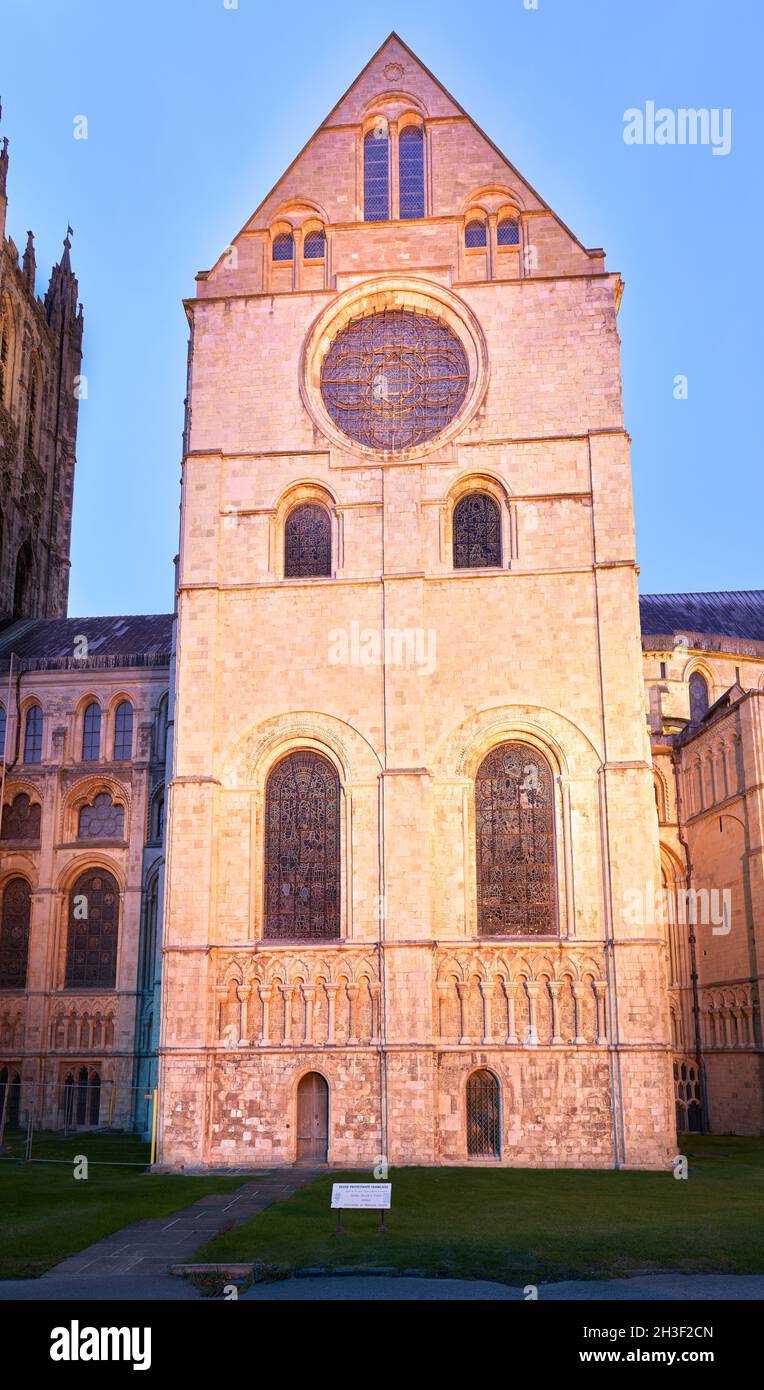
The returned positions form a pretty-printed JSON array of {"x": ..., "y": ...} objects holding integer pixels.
[
  {"x": 486, "y": 991},
  {"x": 600, "y": 991},
  {"x": 444, "y": 989},
  {"x": 331, "y": 995},
  {"x": 462, "y": 989},
  {"x": 376, "y": 1000},
  {"x": 287, "y": 992},
  {"x": 352, "y": 1014},
  {"x": 242, "y": 994},
  {"x": 578, "y": 995},
  {"x": 555, "y": 986},
  {"x": 308, "y": 994},
  {"x": 511, "y": 994},
  {"x": 532, "y": 1037},
  {"x": 266, "y": 994}
]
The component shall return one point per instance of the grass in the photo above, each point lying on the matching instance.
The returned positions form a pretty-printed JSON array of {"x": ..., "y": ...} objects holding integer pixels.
[
  {"x": 527, "y": 1225},
  {"x": 45, "y": 1215}
]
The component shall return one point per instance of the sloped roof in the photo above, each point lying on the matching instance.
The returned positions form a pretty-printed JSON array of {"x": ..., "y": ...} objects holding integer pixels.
[
  {"x": 735, "y": 613},
  {"x": 135, "y": 640}
]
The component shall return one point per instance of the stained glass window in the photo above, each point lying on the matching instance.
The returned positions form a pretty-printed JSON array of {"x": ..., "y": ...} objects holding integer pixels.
[
  {"x": 514, "y": 828},
  {"x": 376, "y": 176},
  {"x": 508, "y": 232},
  {"x": 394, "y": 379},
  {"x": 91, "y": 954},
  {"x": 411, "y": 171},
  {"x": 307, "y": 542},
  {"x": 33, "y": 735},
  {"x": 475, "y": 234},
  {"x": 477, "y": 532},
  {"x": 91, "y": 734},
  {"x": 102, "y": 820},
  {"x": 283, "y": 247},
  {"x": 698, "y": 696},
  {"x": 302, "y": 848},
  {"x": 14, "y": 934},
  {"x": 123, "y": 732},
  {"x": 21, "y": 820},
  {"x": 314, "y": 246}
]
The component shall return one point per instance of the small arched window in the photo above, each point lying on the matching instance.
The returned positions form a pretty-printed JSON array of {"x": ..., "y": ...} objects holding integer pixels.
[
  {"x": 14, "y": 934},
  {"x": 314, "y": 245},
  {"x": 508, "y": 232},
  {"x": 477, "y": 532},
  {"x": 376, "y": 175},
  {"x": 514, "y": 831},
  {"x": 91, "y": 733},
  {"x": 411, "y": 171},
  {"x": 103, "y": 820},
  {"x": 91, "y": 951},
  {"x": 123, "y": 732},
  {"x": 483, "y": 1127},
  {"x": 283, "y": 247},
  {"x": 160, "y": 728},
  {"x": 21, "y": 820},
  {"x": 698, "y": 696},
  {"x": 302, "y": 848},
  {"x": 33, "y": 735},
  {"x": 156, "y": 817},
  {"x": 308, "y": 542},
  {"x": 475, "y": 234}
]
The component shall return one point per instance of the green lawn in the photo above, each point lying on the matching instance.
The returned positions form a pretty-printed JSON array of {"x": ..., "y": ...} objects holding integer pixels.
[
  {"x": 46, "y": 1215},
  {"x": 525, "y": 1225}
]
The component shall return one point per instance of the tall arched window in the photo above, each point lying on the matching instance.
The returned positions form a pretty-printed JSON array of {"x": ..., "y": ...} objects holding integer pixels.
[
  {"x": 514, "y": 831},
  {"x": 21, "y": 819},
  {"x": 5, "y": 358},
  {"x": 376, "y": 175},
  {"x": 91, "y": 951},
  {"x": 14, "y": 934},
  {"x": 91, "y": 733},
  {"x": 32, "y": 410},
  {"x": 508, "y": 232},
  {"x": 33, "y": 735},
  {"x": 477, "y": 532},
  {"x": 283, "y": 247},
  {"x": 23, "y": 582},
  {"x": 308, "y": 542},
  {"x": 314, "y": 245},
  {"x": 698, "y": 696},
  {"x": 483, "y": 1125},
  {"x": 302, "y": 848},
  {"x": 123, "y": 732},
  {"x": 475, "y": 234},
  {"x": 411, "y": 171}
]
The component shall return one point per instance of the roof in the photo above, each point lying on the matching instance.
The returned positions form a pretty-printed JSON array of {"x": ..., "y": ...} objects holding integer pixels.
[
  {"x": 136, "y": 640},
  {"x": 735, "y": 613}
]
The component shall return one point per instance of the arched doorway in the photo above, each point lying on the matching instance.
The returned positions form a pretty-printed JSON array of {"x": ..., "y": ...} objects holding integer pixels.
[
  {"x": 483, "y": 1133},
  {"x": 312, "y": 1119}
]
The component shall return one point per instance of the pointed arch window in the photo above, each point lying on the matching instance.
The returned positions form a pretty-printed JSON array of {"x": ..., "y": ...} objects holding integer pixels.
[
  {"x": 123, "y": 732},
  {"x": 14, "y": 934},
  {"x": 514, "y": 831},
  {"x": 91, "y": 949},
  {"x": 475, "y": 234},
  {"x": 376, "y": 175},
  {"x": 33, "y": 735},
  {"x": 23, "y": 582},
  {"x": 314, "y": 245},
  {"x": 283, "y": 247},
  {"x": 508, "y": 232},
  {"x": 32, "y": 411},
  {"x": 699, "y": 700},
  {"x": 411, "y": 171},
  {"x": 91, "y": 733},
  {"x": 5, "y": 359},
  {"x": 308, "y": 542},
  {"x": 302, "y": 848},
  {"x": 477, "y": 532}
]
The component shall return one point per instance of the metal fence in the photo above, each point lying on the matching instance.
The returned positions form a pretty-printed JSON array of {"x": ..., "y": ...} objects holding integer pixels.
[{"x": 54, "y": 1122}]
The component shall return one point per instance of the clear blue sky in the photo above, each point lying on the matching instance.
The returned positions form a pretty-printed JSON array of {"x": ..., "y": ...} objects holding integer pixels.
[{"x": 195, "y": 110}]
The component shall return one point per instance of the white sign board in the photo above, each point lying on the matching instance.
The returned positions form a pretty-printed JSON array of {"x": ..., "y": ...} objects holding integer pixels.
[{"x": 373, "y": 1196}]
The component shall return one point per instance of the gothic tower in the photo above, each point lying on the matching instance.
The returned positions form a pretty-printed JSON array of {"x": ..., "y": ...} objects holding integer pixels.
[
  {"x": 412, "y": 797},
  {"x": 40, "y": 356}
]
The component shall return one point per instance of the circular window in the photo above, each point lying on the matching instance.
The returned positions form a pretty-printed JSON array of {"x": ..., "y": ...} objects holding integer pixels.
[{"x": 395, "y": 378}]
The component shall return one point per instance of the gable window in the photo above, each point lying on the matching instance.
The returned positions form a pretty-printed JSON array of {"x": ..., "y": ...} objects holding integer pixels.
[
  {"x": 91, "y": 952},
  {"x": 302, "y": 848},
  {"x": 376, "y": 175},
  {"x": 508, "y": 232},
  {"x": 477, "y": 532},
  {"x": 14, "y": 934},
  {"x": 123, "y": 732},
  {"x": 698, "y": 696},
  {"x": 411, "y": 171},
  {"x": 308, "y": 542},
  {"x": 283, "y": 247},
  {"x": 21, "y": 820},
  {"x": 475, "y": 235},
  {"x": 91, "y": 734},
  {"x": 314, "y": 245},
  {"x": 33, "y": 735},
  {"x": 514, "y": 832}
]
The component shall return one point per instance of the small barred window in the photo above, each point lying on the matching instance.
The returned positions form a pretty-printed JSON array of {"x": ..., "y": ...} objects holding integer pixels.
[
  {"x": 376, "y": 176},
  {"x": 314, "y": 246},
  {"x": 411, "y": 171},
  {"x": 283, "y": 247},
  {"x": 508, "y": 232},
  {"x": 475, "y": 235}
]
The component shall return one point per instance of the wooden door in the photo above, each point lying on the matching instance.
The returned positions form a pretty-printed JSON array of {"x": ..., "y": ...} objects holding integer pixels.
[{"x": 312, "y": 1119}]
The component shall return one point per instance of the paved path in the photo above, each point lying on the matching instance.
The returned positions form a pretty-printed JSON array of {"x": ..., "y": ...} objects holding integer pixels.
[{"x": 149, "y": 1248}]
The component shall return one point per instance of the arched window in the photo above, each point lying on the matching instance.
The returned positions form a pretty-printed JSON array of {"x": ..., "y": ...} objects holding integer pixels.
[
  {"x": 123, "y": 732},
  {"x": 14, "y": 934},
  {"x": 283, "y": 247},
  {"x": 514, "y": 831},
  {"x": 156, "y": 817},
  {"x": 5, "y": 358},
  {"x": 698, "y": 696},
  {"x": 302, "y": 848},
  {"x": 411, "y": 171},
  {"x": 160, "y": 728},
  {"x": 91, "y": 951},
  {"x": 33, "y": 735},
  {"x": 308, "y": 542},
  {"x": 21, "y": 820},
  {"x": 32, "y": 410},
  {"x": 314, "y": 245},
  {"x": 376, "y": 175},
  {"x": 101, "y": 821},
  {"x": 11, "y": 1081},
  {"x": 508, "y": 232},
  {"x": 91, "y": 733},
  {"x": 477, "y": 532},
  {"x": 475, "y": 234},
  {"x": 3, "y": 726},
  {"x": 483, "y": 1127},
  {"x": 23, "y": 582}
]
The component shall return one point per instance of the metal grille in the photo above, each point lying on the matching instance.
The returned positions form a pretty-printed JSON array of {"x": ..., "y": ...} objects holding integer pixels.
[
  {"x": 283, "y": 247},
  {"x": 33, "y": 735},
  {"x": 483, "y": 1115},
  {"x": 376, "y": 176},
  {"x": 123, "y": 732},
  {"x": 687, "y": 1094},
  {"x": 307, "y": 543},
  {"x": 302, "y": 848},
  {"x": 394, "y": 379},
  {"x": 514, "y": 822},
  {"x": 474, "y": 234},
  {"x": 508, "y": 232},
  {"x": 21, "y": 820},
  {"x": 91, "y": 734},
  {"x": 91, "y": 954},
  {"x": 477, "y": 532},
  {"x": 314, "y": 246},
  {"x": 411, "y": 172},
  {"x": 101, "y": 821},
  {"x": 14, "y": 934}
]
